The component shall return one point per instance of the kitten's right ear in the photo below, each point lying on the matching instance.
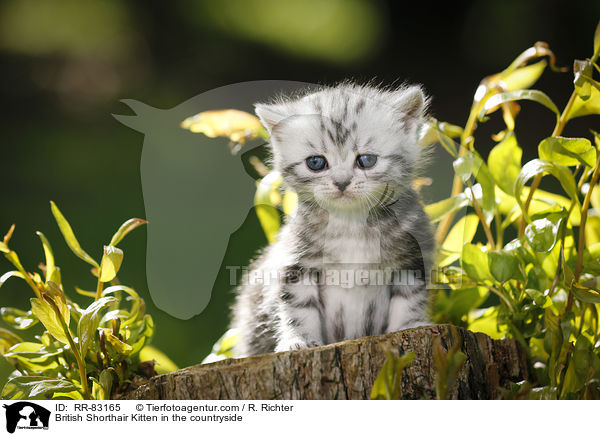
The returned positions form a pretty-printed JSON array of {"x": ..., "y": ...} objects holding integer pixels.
[{"x": 270, "y": 114}]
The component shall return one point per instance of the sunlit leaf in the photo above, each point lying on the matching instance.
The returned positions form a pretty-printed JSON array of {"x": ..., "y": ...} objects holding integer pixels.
[
  {"x": 89, "y": 321},
  {"x": 567, "y": 151},
  {"x": 7, "y": 340},
  {"x": 163, "y": 363},
  {"x": 118, "y": 345},
  {"x": 463, "y": 231},
  {"x": 49, "y": 256},
  {"x": 111, "y": 262},
  {"x": 502, "y": 265},
  {"x": 18, "y": 319},
  {"x": 35, "y": 387},
  {"x": 524, "y": 77},
  {"x": 463, "y": 167},
  {"x": 69, "y": 236},
  {"x": 486, "y": 321},
  {"x": 387, "y": 385},
  {"x": 437, "y": 211},
  {"x": 10, "y": 274},
  {"x": 266, "y": 201},
  {"x": 542, "y": 234},
  {"x": 485, "y": 179},
  {"x": 591, "y": 106},
  {"x": 525, "y": 94},
  {"x": 49, "y": 318},
  {"x": 537, "y": 166},
  {"x": 585, "y": 294},
  {"x": 475, "y": 263},
  {"x": 504, "y": 163},
  {"x": 238, "y": 126},
  {"x": 125, "y": 228}
]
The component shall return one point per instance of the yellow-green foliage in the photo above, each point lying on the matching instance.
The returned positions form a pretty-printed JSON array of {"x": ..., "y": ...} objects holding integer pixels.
[{"x": 80, "y": 353}]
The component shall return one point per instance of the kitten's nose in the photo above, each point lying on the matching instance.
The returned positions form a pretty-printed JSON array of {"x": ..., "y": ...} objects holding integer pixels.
[{"x": 342, "y": 185}]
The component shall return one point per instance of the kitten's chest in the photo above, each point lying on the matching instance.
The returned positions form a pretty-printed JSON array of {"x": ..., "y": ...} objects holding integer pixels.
[
  {"x": 354, "y": 312},
  {"x": 351, "y": 243}
]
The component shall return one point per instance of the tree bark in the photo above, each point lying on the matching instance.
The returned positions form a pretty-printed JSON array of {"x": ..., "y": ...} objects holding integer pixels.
[{"x": 347, "y": 370}]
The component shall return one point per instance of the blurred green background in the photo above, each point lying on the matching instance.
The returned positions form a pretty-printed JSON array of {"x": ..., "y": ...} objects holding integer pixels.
[{"x": 67, "y": 63}]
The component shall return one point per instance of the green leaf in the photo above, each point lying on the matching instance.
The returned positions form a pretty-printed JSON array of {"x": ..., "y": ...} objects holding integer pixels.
[
  {"x": 504, "y": 163},
  {"x": 542, "y": 234},
  {"x": 111, "y": 262},
  {"x": 106, "y": 381},
  {"x": 48, "y": 317},
  {"x": 524, "y": 77},
  {"x": 583, "y": 78},
  {"x": 125, "y": 228},
  {"x": 435, "y": 132},
  {"x": 10, "y": 274},
  {"x": 463, "y": 231},
  {"x": 537, "y": 166},
  {"x": 33, "y": 351},
  {"x": 89, "y": 321},
  {"x": 485, "y": 179},
  {"x": 463, "y": 167},
  {"x": 568, "y": 151},
  {"x": 119, "y": 346},
  {"x": 590, "y": 106},
  {"x": 49, "y": 255},
  {"x": 163, "y": 363},
  {"x": 35, "y": 387},
  {"x": 585, "y": 294},
  {"x": 448, "y": 143},
  {"x": 437, "y": 211},
  {"x": 266, "y": 200},
  {"x": 475, "y": 263},
  {"x": 67, "y": 232},
  {"x": 7, "y": 340},
  {"x": 502, "y": 265},
  {"x": 98, "y": 392},
  {"x": 387, "y": 385},
  {"x": 472, "y": 164},
  {"x": 525, "y": 94},
  {"x": 18, "y": 319}
]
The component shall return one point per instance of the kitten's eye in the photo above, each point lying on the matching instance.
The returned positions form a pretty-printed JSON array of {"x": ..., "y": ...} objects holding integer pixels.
[
  {"x": 366, "y": 161},
  {"x": 316, "y": 163}
]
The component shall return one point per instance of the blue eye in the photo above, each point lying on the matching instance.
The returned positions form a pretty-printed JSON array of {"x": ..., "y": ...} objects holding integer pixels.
[
  {"x": 366, "y": 161},
  {"x": 316, "y": 163}
]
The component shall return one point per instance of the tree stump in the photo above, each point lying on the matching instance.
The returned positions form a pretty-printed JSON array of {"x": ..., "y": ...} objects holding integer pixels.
[{"x": 347, "y": 370}]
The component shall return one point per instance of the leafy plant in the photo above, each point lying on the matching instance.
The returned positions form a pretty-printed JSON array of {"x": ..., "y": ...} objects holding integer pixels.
[
  {"x": 88, "y": 352},
  {"x": 387, "y": 383},
  {"x": 543, "y": 281},
  {"x": 534, "y": 276}
]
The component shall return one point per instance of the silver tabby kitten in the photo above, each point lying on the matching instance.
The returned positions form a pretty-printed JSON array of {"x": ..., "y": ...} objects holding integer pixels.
[{"x": 352, "y": 261}]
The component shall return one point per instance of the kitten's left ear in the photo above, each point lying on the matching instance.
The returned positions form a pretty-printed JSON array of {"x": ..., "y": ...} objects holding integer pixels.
[
  {"x": 270, "y": 114},
  {"x": 410, "y": 105}
]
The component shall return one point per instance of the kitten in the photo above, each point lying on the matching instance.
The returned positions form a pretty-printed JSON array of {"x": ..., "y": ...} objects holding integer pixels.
[{"x": 352, "y": 261}]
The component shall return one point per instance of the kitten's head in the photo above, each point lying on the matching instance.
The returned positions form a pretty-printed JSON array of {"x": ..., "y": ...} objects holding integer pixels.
[{"x": 347, "y": 148}]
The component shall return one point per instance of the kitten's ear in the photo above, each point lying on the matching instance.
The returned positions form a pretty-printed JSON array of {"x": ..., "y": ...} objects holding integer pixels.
[
  {"x": 270, "y": 114},
  {"x": 410, "y": 104}
]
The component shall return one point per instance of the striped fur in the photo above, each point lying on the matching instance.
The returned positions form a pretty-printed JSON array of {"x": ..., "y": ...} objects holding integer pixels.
[{"x": 376, "y": 224}]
